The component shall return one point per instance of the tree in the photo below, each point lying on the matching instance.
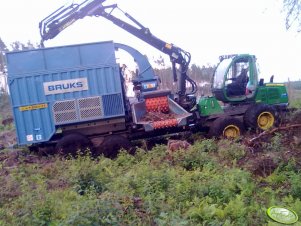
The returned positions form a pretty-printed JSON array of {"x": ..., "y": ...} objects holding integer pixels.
[
  {"x": 3, "y": 49},
  {"x": 14, "y": 46},
  {"x": 292, "y": 8},
  {"x": 21, "y": 46},
  {"x": 201, "y": 74}
]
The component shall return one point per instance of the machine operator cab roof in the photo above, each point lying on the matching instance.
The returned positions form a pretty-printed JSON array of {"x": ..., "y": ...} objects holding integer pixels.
[{"x": 235, "y": 78}]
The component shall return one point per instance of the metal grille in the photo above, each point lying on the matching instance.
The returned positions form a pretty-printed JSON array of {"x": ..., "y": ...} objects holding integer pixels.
[
  {"x": 87, "y": 109},
  {"x": 64, "y": 111},
  {"x": 113, "y": 105},
  {"x": 90, "y": 108}
]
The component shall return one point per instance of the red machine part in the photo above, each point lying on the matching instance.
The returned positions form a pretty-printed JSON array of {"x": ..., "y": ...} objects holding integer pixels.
[
  {"x": 160, "y": 105},
  {"x": 157, "y": 104},
  {"x": 165, "y": 123}
]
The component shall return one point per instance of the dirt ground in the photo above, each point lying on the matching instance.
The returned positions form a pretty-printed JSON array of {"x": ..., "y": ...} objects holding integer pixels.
[
  {"x": 260, "y": 158},
  {"x": 266, "y": 150},
  {"x": 7, "y": 139}
]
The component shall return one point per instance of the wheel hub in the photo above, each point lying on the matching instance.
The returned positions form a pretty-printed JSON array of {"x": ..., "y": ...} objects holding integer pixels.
[
  {"x": 265, "y": 120},
  {"x": 231, "y": 131}
]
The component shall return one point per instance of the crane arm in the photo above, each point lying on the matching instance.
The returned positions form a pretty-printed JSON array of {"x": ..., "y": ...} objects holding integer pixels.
[
  {"x": 65, "y": 16},
  {"x": 62, "y": 18}
]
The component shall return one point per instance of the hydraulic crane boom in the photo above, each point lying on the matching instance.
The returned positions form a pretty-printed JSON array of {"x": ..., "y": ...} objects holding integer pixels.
[{"x": 65, "y": 16}]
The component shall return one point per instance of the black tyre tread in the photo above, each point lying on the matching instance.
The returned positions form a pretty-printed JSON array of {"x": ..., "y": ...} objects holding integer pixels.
[
  {"x": 221, "y": 123},
  {"x": 113, "y": 144},
  {"x": 252, "y": 113},
  {"x": 71, "y": 143}
]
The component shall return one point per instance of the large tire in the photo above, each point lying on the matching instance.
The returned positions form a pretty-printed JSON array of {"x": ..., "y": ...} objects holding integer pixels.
[
  {"x": 73, "y": 144},
  {"x": 260, "y": 116},
  {"x": 227, "y": 127},
  {"x": 113, "y": 144}
]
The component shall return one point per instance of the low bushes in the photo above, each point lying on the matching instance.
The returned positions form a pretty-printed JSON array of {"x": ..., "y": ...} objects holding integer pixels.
[{"x": 204, "y": 185}]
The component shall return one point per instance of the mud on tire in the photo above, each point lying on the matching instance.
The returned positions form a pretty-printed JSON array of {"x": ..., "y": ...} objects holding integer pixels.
[
  {"x": 112, "y": 145},
  {"x": 73, "y": 143},
  {"x": 228, "y": 127},
  {"x": 261, "y": 117}
]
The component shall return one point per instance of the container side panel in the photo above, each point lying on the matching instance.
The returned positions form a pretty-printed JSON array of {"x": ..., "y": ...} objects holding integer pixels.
[
  {"x": 98, "y": 54},
  {"x": 68, "y": 85},
  {"x": 59, "y": 58},
  {"x": 33, "y": 125},
  {"x": 25, "y": 62}
]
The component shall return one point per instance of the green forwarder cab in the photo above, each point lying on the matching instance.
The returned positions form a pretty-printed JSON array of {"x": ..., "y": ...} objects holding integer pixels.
[{"x": 241, "y": 100}]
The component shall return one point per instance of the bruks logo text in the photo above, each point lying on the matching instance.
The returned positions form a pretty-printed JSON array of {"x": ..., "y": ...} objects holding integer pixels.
[{"x": 65, "y": 86}]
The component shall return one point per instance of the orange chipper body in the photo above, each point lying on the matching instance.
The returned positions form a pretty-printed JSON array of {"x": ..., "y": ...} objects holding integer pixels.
[{"x": 160, "y": 104}]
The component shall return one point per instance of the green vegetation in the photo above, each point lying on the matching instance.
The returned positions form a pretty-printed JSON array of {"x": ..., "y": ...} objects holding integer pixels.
[{"x": 211, "y": 183}]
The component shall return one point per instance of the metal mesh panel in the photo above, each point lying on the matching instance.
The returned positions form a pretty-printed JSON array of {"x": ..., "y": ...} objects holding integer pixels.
[
  {"x": 86, "y": 109},
  {"x": 113, "y": 105},
  {"x": 64, "y": 111},
  {"x": 90, "y": 108}
]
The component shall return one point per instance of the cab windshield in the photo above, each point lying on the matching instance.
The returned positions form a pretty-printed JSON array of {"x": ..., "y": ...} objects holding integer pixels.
[{"x": 220, "y": 73}]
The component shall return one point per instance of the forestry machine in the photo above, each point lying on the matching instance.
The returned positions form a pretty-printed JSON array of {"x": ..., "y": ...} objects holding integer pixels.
[{"x": 73, "y": 96}]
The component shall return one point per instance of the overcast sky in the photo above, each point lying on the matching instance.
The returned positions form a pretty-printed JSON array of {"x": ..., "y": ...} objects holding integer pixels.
[{"x": 205, "y": 28}]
